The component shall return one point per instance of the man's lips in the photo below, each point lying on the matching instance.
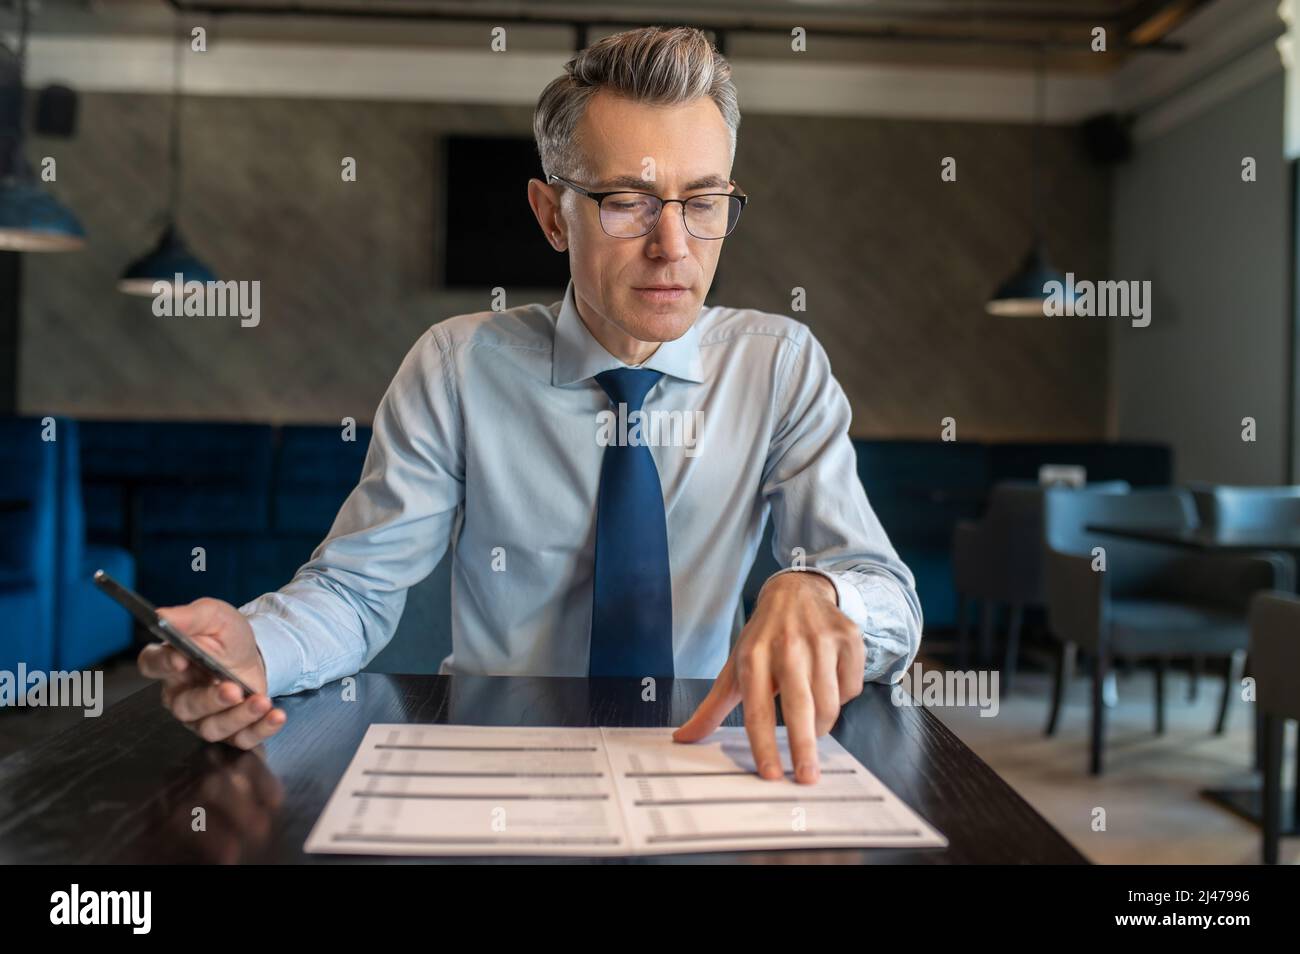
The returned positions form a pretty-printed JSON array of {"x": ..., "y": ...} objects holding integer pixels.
[{"x": 661, "y": 293}]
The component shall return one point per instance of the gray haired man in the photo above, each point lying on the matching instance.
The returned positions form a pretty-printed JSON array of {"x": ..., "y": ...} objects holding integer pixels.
[{"x": 581, "y": 549}]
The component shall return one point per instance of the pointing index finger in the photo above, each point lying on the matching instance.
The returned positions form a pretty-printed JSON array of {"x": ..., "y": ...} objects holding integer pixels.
[{"x": 717, "y": 705}]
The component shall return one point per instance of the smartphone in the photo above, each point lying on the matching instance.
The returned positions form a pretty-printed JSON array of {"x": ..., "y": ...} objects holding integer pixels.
[{"x": 147, "y": 616}]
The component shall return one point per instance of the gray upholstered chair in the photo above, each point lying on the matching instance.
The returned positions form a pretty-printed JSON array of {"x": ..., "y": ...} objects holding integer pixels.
[
  {"x": 1243, "y": 507},
  {"x": 1275, "y": 650},
  {"x": 998, "y": 560},
  {"x": 1247, "y": 508},
  {"x": 1151, "y": 601}
]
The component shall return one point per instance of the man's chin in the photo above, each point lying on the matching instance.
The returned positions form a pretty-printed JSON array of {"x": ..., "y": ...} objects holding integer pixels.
[
  {"x": 664, "y": 324},
  {"x": 656, "y": 329}
]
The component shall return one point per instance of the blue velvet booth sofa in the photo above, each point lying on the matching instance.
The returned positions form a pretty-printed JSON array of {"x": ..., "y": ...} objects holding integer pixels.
[
  {"x": 259, "y": 498},
  {"x": 256, "y": 498},
  {"x": 52, "y": 617}
]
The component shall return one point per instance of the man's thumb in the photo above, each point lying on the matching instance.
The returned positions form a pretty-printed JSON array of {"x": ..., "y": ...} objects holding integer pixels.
[{"x": 191, "y": 618}]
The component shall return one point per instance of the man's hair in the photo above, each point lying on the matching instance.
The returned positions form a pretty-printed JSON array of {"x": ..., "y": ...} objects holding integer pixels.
[{"x": 653, "y": 65}]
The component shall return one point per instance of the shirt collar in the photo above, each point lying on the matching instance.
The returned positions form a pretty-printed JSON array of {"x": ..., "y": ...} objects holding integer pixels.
[{"x": 577, "y": 355}]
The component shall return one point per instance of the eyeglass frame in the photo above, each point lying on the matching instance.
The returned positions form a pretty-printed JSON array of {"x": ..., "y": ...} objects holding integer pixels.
[{"x": 600, "y": 197}]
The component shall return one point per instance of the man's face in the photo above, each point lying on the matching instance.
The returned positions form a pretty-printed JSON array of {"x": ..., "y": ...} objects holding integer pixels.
[{"x": 687, "y": 151}]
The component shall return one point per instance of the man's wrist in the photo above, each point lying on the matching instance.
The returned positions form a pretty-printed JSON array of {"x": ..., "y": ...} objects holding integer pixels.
[{"x": 801, "y": 579}]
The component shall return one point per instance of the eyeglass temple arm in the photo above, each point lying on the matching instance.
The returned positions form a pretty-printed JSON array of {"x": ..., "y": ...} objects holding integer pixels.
[{"x": 552, "y": 177}]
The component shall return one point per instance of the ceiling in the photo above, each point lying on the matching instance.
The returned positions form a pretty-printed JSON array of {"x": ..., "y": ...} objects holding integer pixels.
[{"x": 994, "y": 33}]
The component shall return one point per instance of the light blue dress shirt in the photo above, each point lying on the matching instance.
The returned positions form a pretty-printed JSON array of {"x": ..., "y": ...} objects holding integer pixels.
[{"x": 489, "y": 439}]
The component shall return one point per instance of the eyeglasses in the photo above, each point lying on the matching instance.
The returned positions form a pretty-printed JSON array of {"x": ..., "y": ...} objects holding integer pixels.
[{"x": 633, "y": 214}]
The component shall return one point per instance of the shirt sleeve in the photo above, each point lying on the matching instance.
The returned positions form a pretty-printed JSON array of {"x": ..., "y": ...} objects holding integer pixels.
[
  {"x": 821, "y": 519},
  {"x": 343, "y": 606}
]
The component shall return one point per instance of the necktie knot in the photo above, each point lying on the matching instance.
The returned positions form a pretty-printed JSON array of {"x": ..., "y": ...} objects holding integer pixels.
[{"x": 628, "y": 385}]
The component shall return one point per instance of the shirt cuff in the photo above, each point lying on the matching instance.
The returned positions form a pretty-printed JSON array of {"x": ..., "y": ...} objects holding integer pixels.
[{"x": 281, "y": 654}]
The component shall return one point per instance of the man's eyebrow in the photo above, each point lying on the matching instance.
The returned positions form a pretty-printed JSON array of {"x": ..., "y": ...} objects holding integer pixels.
[{"x": 642, "y": 185}]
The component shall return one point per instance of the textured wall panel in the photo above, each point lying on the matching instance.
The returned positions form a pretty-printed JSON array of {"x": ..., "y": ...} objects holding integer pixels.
[{"x": 896, "y": 263}]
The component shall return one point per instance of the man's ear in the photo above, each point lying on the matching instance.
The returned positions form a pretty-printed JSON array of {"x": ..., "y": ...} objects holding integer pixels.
[{"x": 545, "y": 203}]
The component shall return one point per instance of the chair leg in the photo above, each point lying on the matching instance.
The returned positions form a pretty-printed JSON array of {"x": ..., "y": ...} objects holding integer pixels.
[
  {"x": 1060, "y": 684},
  {"x": 1259, "y": 740},
  {"x": 1231, "y": 686},
  {"x": 963, "y": 632},
  {"x": 1256, "y": 715},
  {"x": 1272, "y": 810},
  {"x": 986, "y": 630},
  {"x": 1295, "y": 792},
  {"x": 1194, "y": 677},
  {"x": 1013, "y": 645},
  {"x": 1099, "y": 674},
  {"x": 1159, "y": 671}
]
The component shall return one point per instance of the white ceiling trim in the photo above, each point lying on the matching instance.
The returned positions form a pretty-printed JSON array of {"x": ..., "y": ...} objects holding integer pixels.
[
  {"x": 1230, "y": 45},
  {"x": 319, "y": 71}
]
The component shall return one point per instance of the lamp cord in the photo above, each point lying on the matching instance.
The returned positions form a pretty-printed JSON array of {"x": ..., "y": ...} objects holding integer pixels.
[
  {"x": 21, "y": 57},
  {"x": 14, "y": 160},
  {"x": 174, "y": 149},
  {"x": 1040, "y": 100}
]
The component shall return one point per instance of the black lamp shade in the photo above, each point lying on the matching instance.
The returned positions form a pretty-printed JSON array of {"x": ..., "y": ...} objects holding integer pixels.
[
  {"x": 1023, "y": 293},
  {"x": 32, "y": 220},
  {"x": 170, "y": 257}
]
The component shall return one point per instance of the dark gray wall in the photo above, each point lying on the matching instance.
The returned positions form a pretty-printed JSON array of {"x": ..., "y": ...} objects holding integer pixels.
[
  {"x": 896, "y": 264},
  {"x": 1214, "y": 248}
]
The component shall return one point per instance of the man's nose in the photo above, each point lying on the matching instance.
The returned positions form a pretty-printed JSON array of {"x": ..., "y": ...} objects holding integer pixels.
[{"x": 670, "y": 238}]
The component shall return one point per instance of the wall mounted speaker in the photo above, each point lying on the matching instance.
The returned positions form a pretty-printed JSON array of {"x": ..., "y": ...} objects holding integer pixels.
[
  {"x": 56, "y": 112},
  {"x": 1107, "y": 138}
]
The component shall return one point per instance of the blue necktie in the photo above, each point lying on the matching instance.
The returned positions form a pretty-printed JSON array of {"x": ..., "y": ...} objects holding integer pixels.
[{"x": 632, "y": 599}]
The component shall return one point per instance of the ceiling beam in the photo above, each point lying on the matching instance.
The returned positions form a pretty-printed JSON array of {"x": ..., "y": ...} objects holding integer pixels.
[{"x": 736, "y": 24}]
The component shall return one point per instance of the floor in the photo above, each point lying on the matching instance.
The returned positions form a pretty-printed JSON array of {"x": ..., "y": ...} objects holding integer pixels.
[
  {"x": 1153, "y": 813},
  {"x": 1149, "y": 791}
]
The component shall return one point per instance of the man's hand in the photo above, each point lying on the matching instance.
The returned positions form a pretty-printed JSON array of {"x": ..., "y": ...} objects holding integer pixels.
[
  {"x": 214, "y": 709},
  {"x": 798, "y": 644}
]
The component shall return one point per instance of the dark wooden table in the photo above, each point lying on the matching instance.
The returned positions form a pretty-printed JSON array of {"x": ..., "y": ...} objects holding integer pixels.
[
  {"x": 123, "y": 788},
  {"x": 1244, "y": 800}
]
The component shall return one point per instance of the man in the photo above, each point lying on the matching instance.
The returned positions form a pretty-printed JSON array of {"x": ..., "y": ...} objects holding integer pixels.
[{"x": 604, "y": 465}]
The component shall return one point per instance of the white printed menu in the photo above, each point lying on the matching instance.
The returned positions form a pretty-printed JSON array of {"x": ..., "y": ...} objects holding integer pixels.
[{"x": 486, "y": 790}]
